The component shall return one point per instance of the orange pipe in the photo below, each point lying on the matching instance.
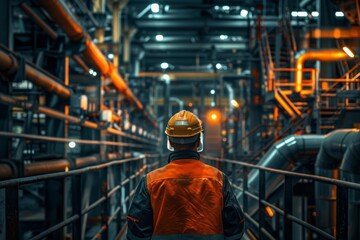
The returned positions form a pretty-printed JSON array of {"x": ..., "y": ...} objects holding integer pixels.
[
  {"x": 9, "y": 64},
  {"x": 327, "y": 55},
  {"x": 63, "y": 17}
]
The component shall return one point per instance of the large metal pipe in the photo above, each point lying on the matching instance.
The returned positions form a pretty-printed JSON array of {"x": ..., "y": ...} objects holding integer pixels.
[
  {"x": 285, "y": 155},
  {"x": 6, "y": 170},
  {"x": 9, "y": 64},
  {"x": 350, "y": 171},
  {"x": 65, "y": 19},
  {"x": 315, "y": 54},
  {"x": 42, "y": 167},
  {"x": 327, "y": 164}
]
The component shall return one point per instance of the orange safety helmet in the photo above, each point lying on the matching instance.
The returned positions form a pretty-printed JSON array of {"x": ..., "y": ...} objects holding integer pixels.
[{"x": 184, "y": 127}]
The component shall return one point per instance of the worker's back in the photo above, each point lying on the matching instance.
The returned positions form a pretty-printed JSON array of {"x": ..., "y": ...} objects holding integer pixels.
[{"x": 186, "y": 198}]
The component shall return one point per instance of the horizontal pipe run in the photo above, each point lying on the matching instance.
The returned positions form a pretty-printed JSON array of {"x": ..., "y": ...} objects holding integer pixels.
[
  {"x": 9, "y": 64},
  {"x": 8, "y": 100},
  {"x": 336, "y": 33},
  {"x": 38, "y": 20},
  {"x": 39, "y": 178},
  {"x": 6, "y": 171},
  {"x": 42, "y": 167}
]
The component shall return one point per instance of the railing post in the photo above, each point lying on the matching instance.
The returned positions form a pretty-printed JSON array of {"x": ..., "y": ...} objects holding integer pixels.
[
  {"x": 105, "y": 204},
  {"x": 119, "y": 197},
  {"x": 288, "y": 206},
  {"x": 245, "y": 188},
  {"x": 77, "y": 207},
  {"x": 341, "y": 213},
  {"x": 12, "y": 212},
  {"x": 261, "y": 206},
  {"x": 233, "y": 175}
]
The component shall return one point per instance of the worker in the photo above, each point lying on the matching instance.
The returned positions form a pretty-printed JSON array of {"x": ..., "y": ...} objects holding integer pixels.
[{"x": 185, "y": 199}]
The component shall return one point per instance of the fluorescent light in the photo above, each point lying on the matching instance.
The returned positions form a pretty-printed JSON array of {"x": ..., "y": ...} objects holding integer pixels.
[
  {"x": 315, "y": 14},
  {"x": 218, "y": 66},
  {"x": 212, "y": 91},
  {"x": 164, "y": 65},
  {"x": 155, "y": 8},
  {"x": 294, "y": 13},
  {"x": 225, "y": 8},
  {"x": 94, "y": 74},
  {"x": 244, "y": 12},
  {"x": 223, "y": 37},
  {"x": 302, "y": 14},
  {"x": 159, "y": 37},
  {"x": 339, "y": 14},
  {"x": 110, "y": 56},
  {"x": 91, "y": 71},
  {"x": 72, "y": 144},
  {"x": 165, "y": 78},
  {"x": 349, "y": 52}
]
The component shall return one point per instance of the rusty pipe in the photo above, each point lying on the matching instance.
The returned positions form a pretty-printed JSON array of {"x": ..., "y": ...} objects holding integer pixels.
[
  {"x": 42, "y": 167},
  {"x": 8, "y": 64},
  {"x": 327, "y": 55},
  {"x": 38, "y": 20},
  {"x": 6, "y": 171}
]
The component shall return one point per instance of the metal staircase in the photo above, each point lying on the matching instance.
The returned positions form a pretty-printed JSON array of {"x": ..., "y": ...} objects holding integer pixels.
[
  {"x": 334, "y": 97},
  {"x": 279, "y": 81}
]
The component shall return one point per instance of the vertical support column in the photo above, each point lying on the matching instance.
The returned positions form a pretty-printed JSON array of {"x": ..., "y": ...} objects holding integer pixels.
[
  {"x": 261, "y": 206},
  {"x": 342, "y": 204},
  {"x": 288, "y": 206},
  {"x": 12, "y": 212},
  {"x": 119, "y": 199}
]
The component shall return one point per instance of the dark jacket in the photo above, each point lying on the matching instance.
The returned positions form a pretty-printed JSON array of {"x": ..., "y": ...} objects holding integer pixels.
[{"x": 186, "y": 199}]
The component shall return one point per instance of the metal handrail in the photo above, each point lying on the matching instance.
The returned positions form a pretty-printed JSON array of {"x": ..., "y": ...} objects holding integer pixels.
[
  {"x": 341, "y": 203},
  {"x": 14, "y": 185}
]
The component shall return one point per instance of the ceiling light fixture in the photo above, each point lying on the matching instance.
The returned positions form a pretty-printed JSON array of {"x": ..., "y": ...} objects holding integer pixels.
[
  {"x": 244, "y": 12},
  {"x": 212, "y": 91},
  {"x": 315, "y": 14},
  {"x": 218, "y": 66},
  {"x": 159, "y": 37},
  {"x": 110, "y": 56},
  {"x": 164, "y": 65},
  {"x": 72, "y": 144},
  {"x": 339, "y": 14},
  {"x": 223, "y": 37},
  {"x": 302, "y": 14},
  {"x": 225, "y": 8},
  {"x": 155, "y": 8}
]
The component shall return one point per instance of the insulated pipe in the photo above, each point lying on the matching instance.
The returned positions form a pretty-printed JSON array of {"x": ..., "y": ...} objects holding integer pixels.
[
  {"x": 315, "y": 54},
  {"x": 9, "y": 64},
  {"x": 87, "y": 161},
  {"x": 350, "y": 171},
  {"x": 284, "y": 155},
  {"x": 327, "y": 164},
  {"x": 64, "y": 18}
]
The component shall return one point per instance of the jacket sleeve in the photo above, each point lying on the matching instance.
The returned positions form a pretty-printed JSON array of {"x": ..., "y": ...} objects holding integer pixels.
[
  {"x": 233, "y": 217},
  {"x": 140, "y": 215}
]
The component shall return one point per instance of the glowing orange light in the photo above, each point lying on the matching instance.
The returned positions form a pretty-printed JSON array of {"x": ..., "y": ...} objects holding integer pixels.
[
  {"x": 190, "y": 104},
  {"x": 66, "y": 168},
  {"x": 349, "y": 52},
  {"x": 269, "y": 212},
  {"x": 235, "y": 103},
  {"x": 213, "y": 116}
]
